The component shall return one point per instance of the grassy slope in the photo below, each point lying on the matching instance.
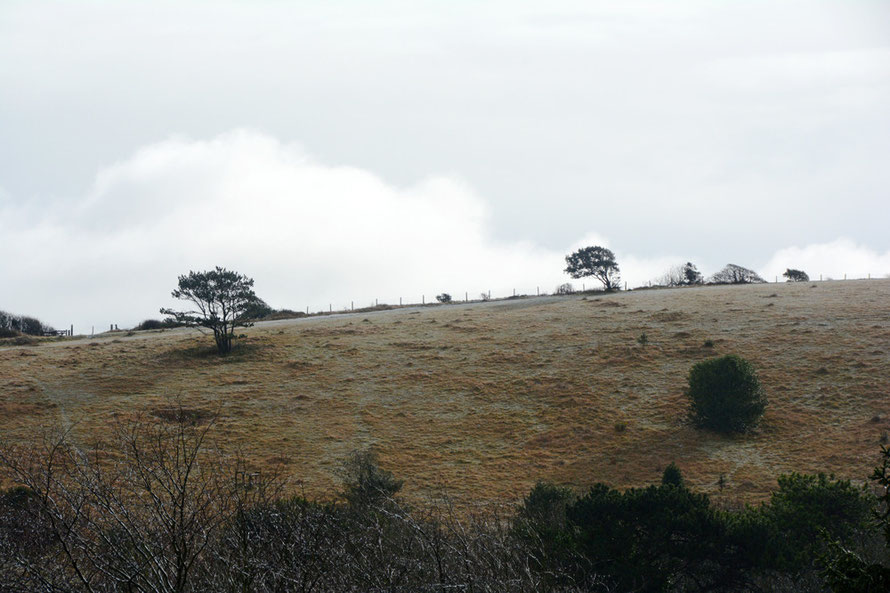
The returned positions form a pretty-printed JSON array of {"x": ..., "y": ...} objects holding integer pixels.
[{"x": 487, "y": 398}]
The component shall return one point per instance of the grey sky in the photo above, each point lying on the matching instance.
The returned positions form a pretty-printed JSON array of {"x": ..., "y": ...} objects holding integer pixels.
[{"x": 712, "y": 131}]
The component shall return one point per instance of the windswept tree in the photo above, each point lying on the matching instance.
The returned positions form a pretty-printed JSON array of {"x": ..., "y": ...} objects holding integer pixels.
[
  {"x": 733, "y": 274},
  {"x": 597, "y": 262},
  {"x": 223, "y": 300},
  {"x": 796, "y": 275}
]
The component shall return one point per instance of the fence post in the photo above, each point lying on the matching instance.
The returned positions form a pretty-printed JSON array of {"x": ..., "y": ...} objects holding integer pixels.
[
  {"x": 466, "y": 297},
  {"x": 538, "y": 290},
  {"x": 307, "y": 309},
  {"x": 423, "y": 299},
  {"x": 400, "y": 301}
]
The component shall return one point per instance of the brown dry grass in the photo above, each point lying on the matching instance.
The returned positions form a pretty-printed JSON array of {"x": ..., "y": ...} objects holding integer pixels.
[{"x": 487, "y": 398}]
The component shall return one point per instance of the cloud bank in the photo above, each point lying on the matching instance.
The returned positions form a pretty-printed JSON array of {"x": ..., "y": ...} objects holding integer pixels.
[
  {"x": 310, "y": 234},
  {"x": 834, "y": 260}
]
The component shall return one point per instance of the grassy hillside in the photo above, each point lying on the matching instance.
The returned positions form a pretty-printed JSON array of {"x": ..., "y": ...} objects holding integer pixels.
[{"x": 487, "y": 398}]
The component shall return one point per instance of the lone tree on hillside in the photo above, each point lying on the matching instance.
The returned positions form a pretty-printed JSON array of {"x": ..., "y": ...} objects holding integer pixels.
[
  {"x": 796, "y": 275},
  {"x": 596, "y": 261},
  {"x": 733, "y": 274},
  {"x": 223, "y": 300}
]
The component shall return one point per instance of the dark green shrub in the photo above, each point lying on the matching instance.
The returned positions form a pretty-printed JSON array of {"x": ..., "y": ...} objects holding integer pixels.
[
  {"x": 540, "y": 523},
  {"x": 725, "y": 394},
  {"x": 844, "y": 569},
  {"x": 544, "y": 509},
  {"x": 660, "y": 538},
  {"x": 672, "y": 476},
  {"x": 443, "y": 298},
  {"x": 788, "y": 533}
]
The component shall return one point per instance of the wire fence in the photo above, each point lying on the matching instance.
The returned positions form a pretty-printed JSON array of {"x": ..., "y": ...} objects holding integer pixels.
[{"x": 467, "y": 296}]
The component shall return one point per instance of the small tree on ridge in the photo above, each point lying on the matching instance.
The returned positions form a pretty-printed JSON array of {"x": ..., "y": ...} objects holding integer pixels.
[
  {"x": 796, "y": 275},
  {"x": 733, "y": 274}
]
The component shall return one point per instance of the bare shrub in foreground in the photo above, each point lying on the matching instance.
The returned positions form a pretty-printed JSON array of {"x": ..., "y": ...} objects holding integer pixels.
[{"x": 159, "y": 508}]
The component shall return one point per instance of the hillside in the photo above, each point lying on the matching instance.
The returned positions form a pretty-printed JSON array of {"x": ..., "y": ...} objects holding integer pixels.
[{"x": 487, "y": 398}]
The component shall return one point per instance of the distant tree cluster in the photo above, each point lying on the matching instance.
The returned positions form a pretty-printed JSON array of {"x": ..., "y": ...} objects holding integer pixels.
[
  {"x": 599, "y": 262},
  {"x": 13, "y": 325},
  {"x": 683, "y": 275}
]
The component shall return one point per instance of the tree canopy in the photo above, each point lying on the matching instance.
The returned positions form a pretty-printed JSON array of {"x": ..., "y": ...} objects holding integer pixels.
[
  {"x": 597, "y": 262},
  {"x": 733, "y": 274},
  {"x": 223, "y": 300},
  {"x": 796, "y": 275}
]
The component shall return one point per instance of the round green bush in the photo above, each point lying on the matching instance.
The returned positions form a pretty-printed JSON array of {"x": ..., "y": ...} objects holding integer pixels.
[{"x": 725, "y": 394}]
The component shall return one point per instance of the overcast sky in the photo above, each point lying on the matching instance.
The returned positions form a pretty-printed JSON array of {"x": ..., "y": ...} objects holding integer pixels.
[{"x": 339, "y": 151}]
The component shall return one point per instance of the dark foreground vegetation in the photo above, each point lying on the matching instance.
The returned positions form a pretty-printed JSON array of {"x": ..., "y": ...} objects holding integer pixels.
[{"x": 160, "y": 507}]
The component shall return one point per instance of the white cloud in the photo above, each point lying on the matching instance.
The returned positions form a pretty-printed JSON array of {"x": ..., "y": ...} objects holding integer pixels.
[
  {"x": 834, "y": 259},
  {"x": 308, "y": 232}
]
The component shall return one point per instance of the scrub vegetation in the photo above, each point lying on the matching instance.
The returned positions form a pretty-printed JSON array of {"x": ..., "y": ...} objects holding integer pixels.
[{"x": 165, "y": 506}]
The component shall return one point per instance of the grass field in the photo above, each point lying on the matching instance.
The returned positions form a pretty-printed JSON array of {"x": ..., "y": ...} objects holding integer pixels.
[{"x": 485, "y": 399}]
